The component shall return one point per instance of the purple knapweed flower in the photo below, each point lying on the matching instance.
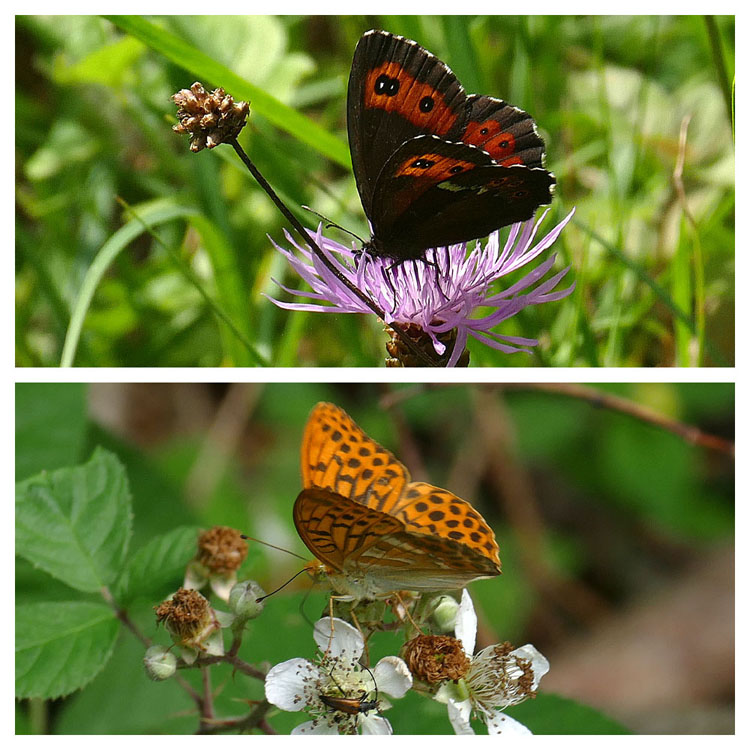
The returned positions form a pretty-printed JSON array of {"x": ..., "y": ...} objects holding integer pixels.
[{"x": 439, "y": 295}]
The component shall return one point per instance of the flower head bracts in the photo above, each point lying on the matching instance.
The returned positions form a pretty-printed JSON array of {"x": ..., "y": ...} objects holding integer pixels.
[
  {"x": 498, "y": 676},
  {"x": 299, "y": 684},
  {"x": 440, "y": 294}
]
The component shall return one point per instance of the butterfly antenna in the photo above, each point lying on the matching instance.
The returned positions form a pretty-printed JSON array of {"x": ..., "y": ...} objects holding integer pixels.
[
  {"x": 261, "y": 598},
  {"x": 272, "y": 546},
  {"x": 302, "y": 606},
  {"x": 330, "y": 223}
]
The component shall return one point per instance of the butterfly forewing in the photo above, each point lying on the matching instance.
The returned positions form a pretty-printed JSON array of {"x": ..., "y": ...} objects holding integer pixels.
[
  {"x": 337, "y": 455},
  {"x": 397, "y": 90}
]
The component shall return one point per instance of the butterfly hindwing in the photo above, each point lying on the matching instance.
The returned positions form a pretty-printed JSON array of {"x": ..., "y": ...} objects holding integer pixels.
[
  {"x": 506, "y": 133},
  {"x": 433, "y": 192}
]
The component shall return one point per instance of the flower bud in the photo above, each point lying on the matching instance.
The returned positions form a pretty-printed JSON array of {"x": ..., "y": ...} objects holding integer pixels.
[
  {"x": 160, "y": 664},
  {"x": 444, "y": 614},
  {"x": 243, "y": 599}
]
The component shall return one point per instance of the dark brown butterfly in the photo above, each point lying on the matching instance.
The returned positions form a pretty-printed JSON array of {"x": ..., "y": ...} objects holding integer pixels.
[{"x": 435, "y": 166}]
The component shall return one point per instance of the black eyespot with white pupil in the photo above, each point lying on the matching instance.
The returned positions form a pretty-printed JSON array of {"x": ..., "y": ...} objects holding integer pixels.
[
  {"x": 504, "y": 144},
  {"x": 385, "y": 85},
  {"x": 426, "y": 104},
  {"x": 423, "y": 164},
  {"x": 484, "y": 131},
  {"x": 456, "y": 169}
]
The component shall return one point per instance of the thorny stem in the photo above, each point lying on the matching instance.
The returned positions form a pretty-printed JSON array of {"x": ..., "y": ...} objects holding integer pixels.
[
  {"x": 228, "y": 658},
  {"x": 422, "y": 356},
  {"x": 207, "y": 704}
]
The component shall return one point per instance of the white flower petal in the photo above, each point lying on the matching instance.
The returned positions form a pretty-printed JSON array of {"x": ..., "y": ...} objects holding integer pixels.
[
  {"x": 392, "y": 676},
  {"x": 539, "y": 663},
  {"x": 310, "y": 727},
  {"x": 285, "y": 683},
  {"x": 345, "y": 640},
  {"x": 499, "y": 723},
  {"x": 374, "y": 725},
  {"x": 466, "y": 623},
  {"x": 459, "y": 715}
]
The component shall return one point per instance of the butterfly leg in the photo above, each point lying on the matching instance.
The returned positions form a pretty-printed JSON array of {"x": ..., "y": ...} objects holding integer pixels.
[{"x": 405, "y": 609}]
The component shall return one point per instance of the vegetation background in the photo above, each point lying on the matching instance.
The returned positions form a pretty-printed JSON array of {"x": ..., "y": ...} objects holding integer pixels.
[
  {"x": 616, "y": 537},
  {"x": 652, "y": 256}
]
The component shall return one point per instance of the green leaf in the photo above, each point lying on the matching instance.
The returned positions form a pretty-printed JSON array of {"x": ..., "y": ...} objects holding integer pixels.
[
  {"x": 50, "y": 426},
  {"x": 208, "y": 69},
  {"x": 60, "y": 646},
  {"x": 553, "y": 714},
  {"x": 75, "y": 523},
  {"x": 158, "y": 564}
]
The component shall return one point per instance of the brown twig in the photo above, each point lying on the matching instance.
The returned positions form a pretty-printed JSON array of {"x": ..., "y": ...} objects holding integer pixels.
[
  {"x": 601, "y": 399},
  {"x": 235, "y": 661},
  {"x": 207, "y": 704}
]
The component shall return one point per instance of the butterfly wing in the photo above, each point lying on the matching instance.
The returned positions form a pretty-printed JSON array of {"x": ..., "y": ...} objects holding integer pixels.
[
  {"x": 378, "y": 551},
  {"x": 507, "y": 133},
  {"x": 433, "y": 192},
  {"x": 338, "y": 456},
  {"x": 437, "y": 513},
  {"x": 397, "y": 90},
  {"x": 336, "y": 529}
]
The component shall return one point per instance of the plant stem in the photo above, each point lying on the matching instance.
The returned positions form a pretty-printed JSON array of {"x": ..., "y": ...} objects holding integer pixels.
[{"x": 306, "y": 237}]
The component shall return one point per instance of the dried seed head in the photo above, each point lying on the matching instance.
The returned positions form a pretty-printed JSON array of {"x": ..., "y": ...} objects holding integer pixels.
[
  {"x": 187, "y": 616},
  {"x": 435, "y": 658},
  {"x": 221, "y": 550},
  {"x": 210, "y": 118}
]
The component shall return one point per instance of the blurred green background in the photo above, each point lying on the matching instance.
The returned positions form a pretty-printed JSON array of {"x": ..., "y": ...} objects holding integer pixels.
[
  {"x": 616, "y": 536},
  {"x": 653, "y": 259}
]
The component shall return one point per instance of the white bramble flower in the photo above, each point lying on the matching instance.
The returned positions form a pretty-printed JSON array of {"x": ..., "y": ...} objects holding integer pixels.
[
  {"x": 497, "y": 678},
  {"x": 299, "y": 684}
]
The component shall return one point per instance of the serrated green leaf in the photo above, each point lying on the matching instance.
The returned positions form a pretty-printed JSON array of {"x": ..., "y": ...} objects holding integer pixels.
[
  {"x": 158, "y": 564},
  {"x": 50, "y": 426},
  {"x": 75, "y": 523},
  {"x": 60, "y": 646}
]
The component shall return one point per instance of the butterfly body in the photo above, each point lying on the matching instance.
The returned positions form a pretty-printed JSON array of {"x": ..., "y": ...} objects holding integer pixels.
[
  {"x": 435, "y": 166},
  {"x": 371, "y": 528}
]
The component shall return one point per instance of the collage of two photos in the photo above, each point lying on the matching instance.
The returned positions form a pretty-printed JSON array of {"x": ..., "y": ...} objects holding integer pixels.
[{"x": 219, "y": 537}]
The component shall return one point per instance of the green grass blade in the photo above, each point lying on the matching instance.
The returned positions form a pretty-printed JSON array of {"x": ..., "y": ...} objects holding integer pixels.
[{"x": 262, "y": 103}]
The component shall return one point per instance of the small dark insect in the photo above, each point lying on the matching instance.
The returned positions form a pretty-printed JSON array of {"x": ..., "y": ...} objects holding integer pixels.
[{"x": 351, "y": 706}]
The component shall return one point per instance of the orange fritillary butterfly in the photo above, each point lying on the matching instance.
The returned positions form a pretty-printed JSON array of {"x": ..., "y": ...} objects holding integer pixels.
[{"x": 372, "y": 528}]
